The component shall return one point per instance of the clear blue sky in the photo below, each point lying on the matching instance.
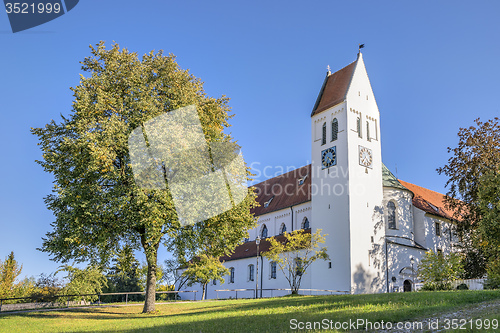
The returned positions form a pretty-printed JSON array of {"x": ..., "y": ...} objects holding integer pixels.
[{"x": 433, "y": 66}]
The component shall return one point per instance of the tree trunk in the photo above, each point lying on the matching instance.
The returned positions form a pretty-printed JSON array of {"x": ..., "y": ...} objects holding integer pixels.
[
  {"x": 151, "y": 257},
  {"x": 204, "y": 291}
]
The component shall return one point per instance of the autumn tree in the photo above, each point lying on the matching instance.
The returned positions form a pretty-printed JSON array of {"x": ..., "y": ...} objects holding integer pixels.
[
  {"x": 9, "y": 271},
  {"x": 438, "y": 270},
  {"x": 295, "y": 254},
  {"x": 204, "y": 269},
  {"x": 472, "y": 173},
  {"x": 98, "y": 202}
]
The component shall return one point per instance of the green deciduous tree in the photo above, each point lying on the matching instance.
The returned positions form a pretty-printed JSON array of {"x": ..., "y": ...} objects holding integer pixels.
[
  {"x": 90, "y": 280},
  {"x": 9, "y": 271},
  {"x": 438, "y": 271},
  {"x": 295, "y": 254},
  {"x": 472, "y": 172},
  {"x": 204, "y": 269},
  {"x": 96, "y": 201}
]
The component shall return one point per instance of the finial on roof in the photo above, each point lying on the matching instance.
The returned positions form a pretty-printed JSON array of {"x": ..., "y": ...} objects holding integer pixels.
[
  {"x": 360, "y": 47},
  {"x": 328, "y": 72}
]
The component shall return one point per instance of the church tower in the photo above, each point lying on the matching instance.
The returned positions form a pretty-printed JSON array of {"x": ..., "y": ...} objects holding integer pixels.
[{"x": 347, "y": 190}]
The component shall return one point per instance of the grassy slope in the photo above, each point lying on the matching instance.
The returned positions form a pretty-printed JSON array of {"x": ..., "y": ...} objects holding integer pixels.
[{"x": 263, "y": 315}]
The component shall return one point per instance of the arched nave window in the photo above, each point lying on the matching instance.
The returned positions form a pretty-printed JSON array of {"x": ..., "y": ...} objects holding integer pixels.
[
  {"x": 305, "y": 223},
  {"x": 282, "y": 228},
  {"x": 323, "y": 138},
  {"x": 391, "y": 215},
  {"x": 335, "y": 129},
  {"x": 273, "y": 269},
  {"x": 263, "y": 232},
  {"x": 231, "y": 276}
]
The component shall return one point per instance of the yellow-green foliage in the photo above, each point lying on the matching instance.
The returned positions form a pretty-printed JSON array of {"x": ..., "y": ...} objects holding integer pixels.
[
  {"x": 438, "y": 270},
  {"x": 294, "y": 255}
]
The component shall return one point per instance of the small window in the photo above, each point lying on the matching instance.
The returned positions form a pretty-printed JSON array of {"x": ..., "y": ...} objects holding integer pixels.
[
  {"x": 391, "y": 215},
  {"x": 335, "y": 129},
  {"x": 250, "y": 272},
  {"x": 273, "y": 269},
  {"x": 440, "y": 253},
  {"x": 323, "y": 138},
  {"x": 368, "y": 131},
  {"x": 267, "y": 203},
  {"x": 282, "y": 229},
  {"x": 329, "y": 264},
  {"x": 214, "y": 282},
  {"x": 358, "y": 127},
  {"x": 438, "y": 228},
  {"x": 231, "y": 276},
  {"x": 305, "y": 223},
  {"x": 263, "y": 233}
]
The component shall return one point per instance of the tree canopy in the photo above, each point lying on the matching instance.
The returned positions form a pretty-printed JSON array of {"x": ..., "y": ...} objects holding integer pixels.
[
  {"x": 473, "y": 178},
  {"x": 96, "y": 200},
  {"x": 296, "y": 253}
]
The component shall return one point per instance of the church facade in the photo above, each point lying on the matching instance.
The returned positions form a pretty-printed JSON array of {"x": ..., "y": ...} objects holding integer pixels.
[{"x": 377, "y": 227}]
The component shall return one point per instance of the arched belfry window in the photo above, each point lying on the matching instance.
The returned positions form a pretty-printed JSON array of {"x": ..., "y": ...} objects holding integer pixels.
[
  {"x": 305, "y": 224},
  {"x": 391, "y": 215},
  {"x": 368, "y": 131},
  {"x": 335, "y": 129},
  {"x": 358, "y": 127},
  {"x": 323, "y": 138},
  {"x": 263, "y": 233},
  {"x": 282, "y": 228}
]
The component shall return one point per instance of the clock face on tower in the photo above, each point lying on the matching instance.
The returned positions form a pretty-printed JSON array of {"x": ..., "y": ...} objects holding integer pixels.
[
  {"x": 329, "y": 157},
  {"x": 365, "y": 157}
]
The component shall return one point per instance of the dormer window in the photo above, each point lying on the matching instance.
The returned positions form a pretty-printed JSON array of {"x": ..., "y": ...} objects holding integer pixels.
[
  {"x": 302, "y": 180},
  {"x": 267, "y": 203}
]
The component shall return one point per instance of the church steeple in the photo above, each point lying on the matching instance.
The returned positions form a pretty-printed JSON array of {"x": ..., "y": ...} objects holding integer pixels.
[{"x": 334, "y": 89}]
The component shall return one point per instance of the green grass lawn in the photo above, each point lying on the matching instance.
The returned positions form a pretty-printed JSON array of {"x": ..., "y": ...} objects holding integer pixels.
[{"x": 263, "y": 315}]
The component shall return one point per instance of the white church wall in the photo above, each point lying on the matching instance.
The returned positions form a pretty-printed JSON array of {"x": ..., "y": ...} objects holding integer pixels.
[
  {"x": 330, "y": 202},
  {"x": 404, "y": 214},
  {"x": 365, "y": 183}
]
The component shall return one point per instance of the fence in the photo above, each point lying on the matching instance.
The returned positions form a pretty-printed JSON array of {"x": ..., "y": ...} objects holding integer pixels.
[
  {"x": 472, "y": 284},
  {"x": 251, "y": 293},
  {"x": 58, "y": 301}
]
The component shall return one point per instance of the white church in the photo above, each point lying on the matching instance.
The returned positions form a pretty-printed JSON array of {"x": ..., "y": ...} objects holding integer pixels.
[{"x": 378, "y": 227}]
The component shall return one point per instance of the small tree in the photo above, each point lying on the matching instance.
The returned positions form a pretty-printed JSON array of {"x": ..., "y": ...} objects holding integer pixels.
[
  {"x": 172, "y": 274},
  {"x": 438, "y": 271},
  {"x": 294, "y": 255},
  {"x": 84, "y": 281},
  {"x": 9, "y": 271},
  {"x": 204, "y": 269}
]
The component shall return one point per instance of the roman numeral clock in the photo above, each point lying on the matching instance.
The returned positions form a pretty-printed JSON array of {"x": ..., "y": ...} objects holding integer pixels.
[{"x": 329, "y": 157}]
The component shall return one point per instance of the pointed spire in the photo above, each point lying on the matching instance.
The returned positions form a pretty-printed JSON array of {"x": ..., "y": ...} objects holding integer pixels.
[{"x": 328, "y": 72}]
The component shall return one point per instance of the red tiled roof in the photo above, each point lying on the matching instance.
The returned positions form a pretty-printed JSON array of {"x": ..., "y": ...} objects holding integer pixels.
[
  {"x": 334, "y": 89},
  {"x": 249, "y": 249},
  {"x": 284, "y": 190},
  {"x": 428, "y": 201}
]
